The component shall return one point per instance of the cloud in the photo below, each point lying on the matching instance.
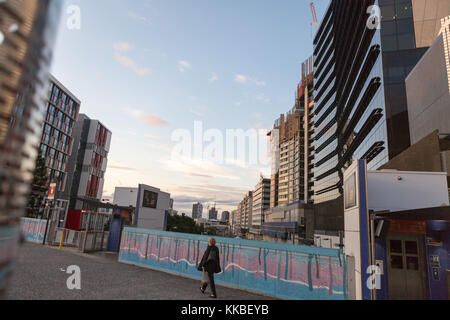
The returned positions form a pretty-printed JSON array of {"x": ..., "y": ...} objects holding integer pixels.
[
  {"x": 240, "y": 78},
  {"x": 243, "y": 79},
  {"x": 262, "y": 98},
  {"x": 213, "y": 78},
  {"x": 183, "y": 65},
  {"x": 187, "y": 165},
  {"x": 122, "y": 168},
  {"x": 122, "y": 46},
  {"x": 142, "y": 134},
  {"x": 130, "y": 64},
  {"x": 220, "y": 194},
  {"x": 151, "y": 120},
  {"x": 117, "y": 165},
  {"x": 139, "y": 18},
  {"x": 195, "y": 174},
  {"x": 126, "y": 61}
]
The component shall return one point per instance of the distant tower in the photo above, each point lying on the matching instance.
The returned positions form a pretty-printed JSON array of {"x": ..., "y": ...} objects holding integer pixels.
[
  {"x": 197, "y": 210},
  {"x": 225, "y": 216},
  {"x": 212, "y": 213}
]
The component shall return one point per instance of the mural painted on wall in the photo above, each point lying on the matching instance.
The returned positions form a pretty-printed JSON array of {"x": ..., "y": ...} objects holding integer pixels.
[
  {"x": 285, "y": 271},
  {"x": 33, "y": 229}
]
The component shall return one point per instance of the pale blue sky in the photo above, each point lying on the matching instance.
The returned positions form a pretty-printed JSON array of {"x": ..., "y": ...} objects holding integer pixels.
[{"x": 147, "y": 67}]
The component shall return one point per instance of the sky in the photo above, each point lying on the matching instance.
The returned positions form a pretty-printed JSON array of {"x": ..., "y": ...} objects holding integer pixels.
[{"x": 147, "y": 69}]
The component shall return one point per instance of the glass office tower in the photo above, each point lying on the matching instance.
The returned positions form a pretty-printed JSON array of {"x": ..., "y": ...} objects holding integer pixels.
[{"x": 360, "y": 96}]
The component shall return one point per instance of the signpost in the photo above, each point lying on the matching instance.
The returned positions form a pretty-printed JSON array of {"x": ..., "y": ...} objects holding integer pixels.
[{"x": 51, "y": 191}]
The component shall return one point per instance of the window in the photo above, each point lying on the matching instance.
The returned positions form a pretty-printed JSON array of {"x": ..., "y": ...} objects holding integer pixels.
[
  {"x": 396, "y": 262},
  {"x": 43, "y": 150},
  {"x": 396, "y": 246},
  {"x": 387, "y": 13},
  {"x": 405, "y": 26},
  {"x": 389, "y": 43},
  {"x": 150, "y": 199},
  {"x": 406, "y": 41},
  {"x": 404, "y": 9},
  {"x": 350, "y": 192},
  {"x": 396, "y": 74},
  {"x": 388, "y": 28},
  {"x": 411, "y": 247}
]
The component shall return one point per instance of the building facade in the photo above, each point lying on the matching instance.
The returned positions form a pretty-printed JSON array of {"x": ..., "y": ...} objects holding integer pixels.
[
  {"x": 225, "y": 216},
  {"x": 359, "y": 89},
  {"x": 261, "y": 202},
  {"x": 57, "y": 134},
  {"x": 125, "y": 197},
  {"x": 87, "y": 163},
  {"x": 428, "y": 89},
  {"x": 246, "y": 211},
  {"x": 292, "y": 176},
  {"x": 212, "y": 214},
  {"x": 292, "y": 148},
  {"x": 197, "y": 210}
]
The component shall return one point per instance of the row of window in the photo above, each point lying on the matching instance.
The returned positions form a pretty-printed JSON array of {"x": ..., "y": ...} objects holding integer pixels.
[
  {"x": 92, "y": 186},
  {"x": 60, "y": 120},
  {"x": 56, "y": 139},
  {"x": 53, "y": 158},
  {"x": 97, "y": 160},
  {"x": 101, "y": 135},
  {"x": 60, "y": 99}
]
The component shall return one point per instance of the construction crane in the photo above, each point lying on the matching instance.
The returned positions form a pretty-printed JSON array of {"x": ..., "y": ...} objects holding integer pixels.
[{"x": 314, "y": 15}]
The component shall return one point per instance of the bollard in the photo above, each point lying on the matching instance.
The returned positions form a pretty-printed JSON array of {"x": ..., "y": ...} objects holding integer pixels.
[{"x": 62, "y": 240}]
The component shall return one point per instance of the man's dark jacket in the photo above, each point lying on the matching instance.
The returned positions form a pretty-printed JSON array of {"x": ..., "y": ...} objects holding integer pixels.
[{"x": 210, "y": 260}]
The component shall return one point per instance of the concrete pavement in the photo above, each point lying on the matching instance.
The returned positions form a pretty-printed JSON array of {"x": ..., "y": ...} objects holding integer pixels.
[{"x": 40, "y": 274}]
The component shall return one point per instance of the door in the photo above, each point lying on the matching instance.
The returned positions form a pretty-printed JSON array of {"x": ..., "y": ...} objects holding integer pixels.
[
  {"x": 406, "y": 267},
  {"x": 114, "y": 233}
]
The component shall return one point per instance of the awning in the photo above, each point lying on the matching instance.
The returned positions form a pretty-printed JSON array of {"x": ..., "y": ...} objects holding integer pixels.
[{"x": 435, "y": 213}]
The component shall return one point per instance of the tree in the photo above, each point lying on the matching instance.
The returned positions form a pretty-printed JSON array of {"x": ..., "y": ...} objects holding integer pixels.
[
  {"x": 211, "y": 231},
  {"x": 183, "y": 224},
  {"x": 39, "y": 188}
]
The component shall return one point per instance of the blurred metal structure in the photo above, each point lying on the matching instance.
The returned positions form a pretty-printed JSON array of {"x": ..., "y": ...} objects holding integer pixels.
[{"x": 27, "y": 33}]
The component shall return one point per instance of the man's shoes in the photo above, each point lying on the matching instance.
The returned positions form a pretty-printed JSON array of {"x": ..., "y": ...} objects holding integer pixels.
[
  {"x": 213, "y": 296},
  {"x": 202, "y": 290}
]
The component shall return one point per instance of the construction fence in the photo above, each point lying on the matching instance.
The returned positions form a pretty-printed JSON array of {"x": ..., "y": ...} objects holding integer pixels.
[
  {"x": 280, "y": 270},
  {"x": 34, "y": 230}
]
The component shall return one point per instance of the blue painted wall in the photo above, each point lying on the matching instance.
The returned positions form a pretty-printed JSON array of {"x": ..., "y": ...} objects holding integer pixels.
[
  {"x": 380, "y": 254},
  {"x": 280, "y": 270},
  {"x": 33, "y": 229}
]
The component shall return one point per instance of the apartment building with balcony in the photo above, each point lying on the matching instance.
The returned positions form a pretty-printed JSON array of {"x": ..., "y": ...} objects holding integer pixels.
[
  {"x": 244, "y": 212},
  {"x": 292, "y": 148},
  {"x": 87, "y": 164},
  {"x": 260, "y": 203},
  {"x": 57, "y": 134},
  {"x": 292, "y": 151}
]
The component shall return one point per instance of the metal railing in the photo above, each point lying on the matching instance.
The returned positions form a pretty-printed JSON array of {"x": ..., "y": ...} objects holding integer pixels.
[
  {"x": 34, "y": 230},
  {"x": 85, "y": 241}
]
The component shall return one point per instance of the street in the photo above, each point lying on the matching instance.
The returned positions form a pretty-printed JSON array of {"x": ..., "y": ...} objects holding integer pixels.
[{"x": 40, "y": 274}]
